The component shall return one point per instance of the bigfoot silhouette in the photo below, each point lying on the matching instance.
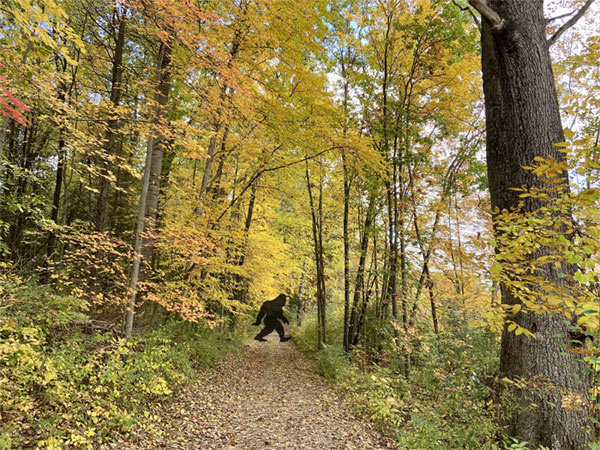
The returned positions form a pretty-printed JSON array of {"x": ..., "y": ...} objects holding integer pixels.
[{"x": 272, "y": 311}]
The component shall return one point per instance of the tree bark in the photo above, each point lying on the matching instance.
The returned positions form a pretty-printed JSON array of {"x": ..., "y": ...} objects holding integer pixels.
[
  {"x": 60, "y": 167},
  {"x": 162, "y": 76},
  {"x": 317, "y": 230},
  {"x": 346, "y": 238},
  {"x": 111, "y": 132},
  {"x": 357, "y": 306},
  {"x": 523, "y": 121},
  {"x": 346, "y": 232},
  {"x": 158, "y": 148}
]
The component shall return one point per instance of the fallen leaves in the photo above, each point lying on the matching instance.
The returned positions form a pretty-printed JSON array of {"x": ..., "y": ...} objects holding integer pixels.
[{"x": 266, "y": 397}]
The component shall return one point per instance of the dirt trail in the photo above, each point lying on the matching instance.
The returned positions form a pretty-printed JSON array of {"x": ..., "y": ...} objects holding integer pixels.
[{"x": 268, "y": 397}]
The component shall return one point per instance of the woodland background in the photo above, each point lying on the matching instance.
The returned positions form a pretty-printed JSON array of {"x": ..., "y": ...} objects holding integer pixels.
[{"x": 330, "y": 150}]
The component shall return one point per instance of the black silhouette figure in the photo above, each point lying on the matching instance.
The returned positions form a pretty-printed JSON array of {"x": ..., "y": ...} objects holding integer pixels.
[{"x": 272, "y": 311}]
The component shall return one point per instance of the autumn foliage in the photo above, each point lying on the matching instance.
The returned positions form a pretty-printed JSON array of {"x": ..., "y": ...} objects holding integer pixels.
[{"x": 168, "y": 165}]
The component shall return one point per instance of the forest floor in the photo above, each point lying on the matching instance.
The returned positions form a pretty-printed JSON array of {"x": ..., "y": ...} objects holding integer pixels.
[{"x": 266, "y": 397}]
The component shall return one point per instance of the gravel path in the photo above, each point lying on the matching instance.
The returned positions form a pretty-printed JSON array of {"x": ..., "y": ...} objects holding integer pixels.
[{"x": 268, "y": 397}]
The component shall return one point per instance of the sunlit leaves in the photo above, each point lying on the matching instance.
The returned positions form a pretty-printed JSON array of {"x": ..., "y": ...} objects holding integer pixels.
[
  {"x": 44, "y": 21},
  {"x": 564, "y": 229}
]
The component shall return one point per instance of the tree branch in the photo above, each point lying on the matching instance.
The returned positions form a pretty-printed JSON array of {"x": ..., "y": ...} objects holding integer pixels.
[
  {"x": 562, "y": 16},
  {"x": 257, "y": 175},
  {"x": 470, "y": 11},
  {"x": 488, "y": 13},
  {"x": 569, "y": 23}
]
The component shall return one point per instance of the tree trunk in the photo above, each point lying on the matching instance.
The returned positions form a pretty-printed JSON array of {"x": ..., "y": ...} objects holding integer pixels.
[
  {"x": 321, "y": 309},
  {"x": 523, "y": 121},
  {"x": 346, "y": 339},
  {"x": 300, "y": 311},
  {"x": 158, "y": 149},
  {"x": 347, "y": 186},
  {"x": 357, "y": 307},
  {"x": 60, "y": 168},
  {"x": 434, "y": 317},
  {"x": 240, "y": 282},
  {"x": 22, "y": 153},
  {"x": 111, "y": 132},
  {"x": 161, "y": 97},
  {"x": 317, "y": 230}
]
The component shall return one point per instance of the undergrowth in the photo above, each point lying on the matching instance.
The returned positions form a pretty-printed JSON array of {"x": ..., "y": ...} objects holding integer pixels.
[
  {"x": 64, "y": 383},
  {"x": 445, "y": 402}
]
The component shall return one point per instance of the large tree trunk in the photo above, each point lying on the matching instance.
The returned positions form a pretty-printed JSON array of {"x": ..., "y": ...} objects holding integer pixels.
[{"x": 523, "y": 121}]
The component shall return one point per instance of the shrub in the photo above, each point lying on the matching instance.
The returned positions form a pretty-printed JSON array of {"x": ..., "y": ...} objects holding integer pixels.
[
  {"x": 332, "y": 362},
  {"x": 444, "y": 403},
  {"x": 64, "y": 383}
]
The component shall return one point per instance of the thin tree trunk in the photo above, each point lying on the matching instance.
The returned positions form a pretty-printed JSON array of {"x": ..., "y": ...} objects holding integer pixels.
[
  {"x": 357, "y": 307},
  {"x": 300, "y": 311},
  {"x": 403, "y": 274},
  {"x": 113, "y": 123},
  {"x": 461, "y": 278},
  {"x": 426, "y": 253},
  {"x": 158, "y": 149},
  {"x": 157, "y": 118},
  {"x": 434, "y": 317},
  {"x": 346, "y": 256},
  {"x": 240, "y": 283},
  {"x": 317, "y": 223},
  {"x": 347, "y": 186},
  {"x": 322, "y": 298},
  {"x": 60, "y": 167},
  {"x": 212, "y": 144}
]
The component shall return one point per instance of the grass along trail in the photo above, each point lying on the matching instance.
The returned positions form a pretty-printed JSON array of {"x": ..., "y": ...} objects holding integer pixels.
[{"x": 267, "y": 397}]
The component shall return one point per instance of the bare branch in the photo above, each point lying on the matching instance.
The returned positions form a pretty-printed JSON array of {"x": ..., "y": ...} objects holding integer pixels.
[
  {"x": 470, "y": 11},
  {"x": 562, "y": 16},
  {"x": 488, "y": 13},
  {"x": 569, "y": 23},
  {"x": 258, "y": 173}
]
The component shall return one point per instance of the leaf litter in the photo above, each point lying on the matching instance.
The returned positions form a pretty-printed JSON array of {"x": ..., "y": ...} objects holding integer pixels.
[{"x": 266, "y": 397}]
